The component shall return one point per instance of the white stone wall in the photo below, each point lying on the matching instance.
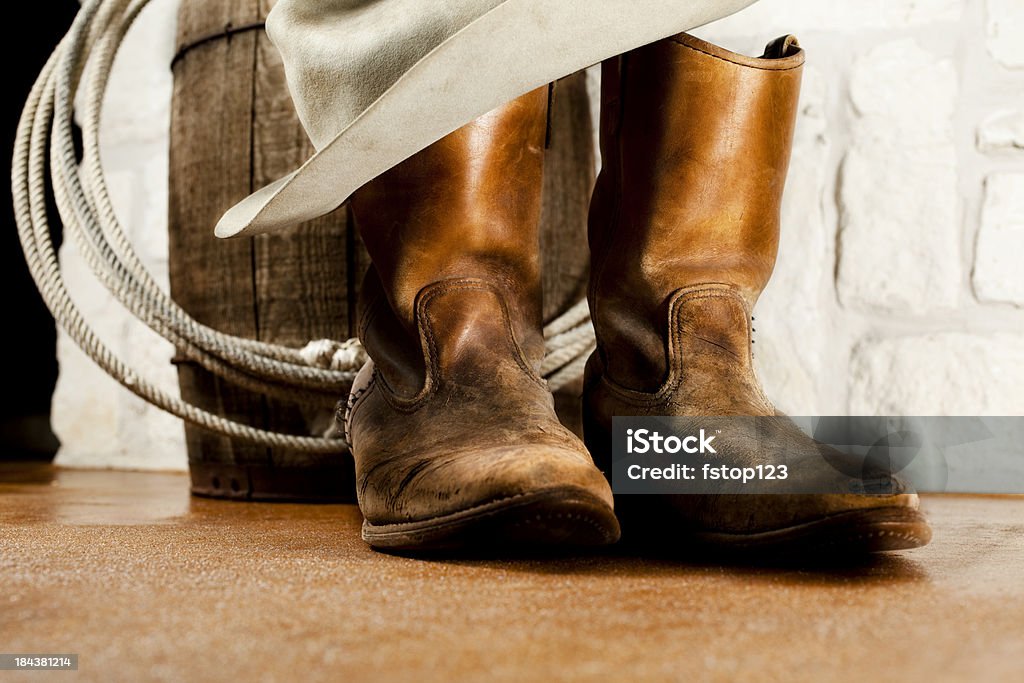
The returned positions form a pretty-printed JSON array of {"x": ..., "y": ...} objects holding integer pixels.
[
  {"x": 99, "y": 423},
  {"x": 900, "y": 284}
]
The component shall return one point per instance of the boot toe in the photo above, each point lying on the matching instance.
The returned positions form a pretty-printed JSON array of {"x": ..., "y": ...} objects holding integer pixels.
[{"x": 508, "y": 495}]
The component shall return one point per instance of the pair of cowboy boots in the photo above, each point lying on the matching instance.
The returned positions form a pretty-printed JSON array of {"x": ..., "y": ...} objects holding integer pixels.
[{"x": 453, "y": 430}]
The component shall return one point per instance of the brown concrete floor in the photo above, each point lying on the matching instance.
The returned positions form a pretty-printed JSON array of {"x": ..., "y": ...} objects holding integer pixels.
[{"x": 145, "y": 583}]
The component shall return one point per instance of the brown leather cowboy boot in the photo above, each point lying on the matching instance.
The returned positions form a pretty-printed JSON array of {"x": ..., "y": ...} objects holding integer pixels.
[
  {"x": 684, "y": 232},
  {"x": 454, "y": 433}
]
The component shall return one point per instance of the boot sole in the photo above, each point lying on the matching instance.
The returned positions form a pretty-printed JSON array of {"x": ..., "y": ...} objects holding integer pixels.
[
  {"x": 855, "y": 532},
  {"x": 567, "y": 517}
]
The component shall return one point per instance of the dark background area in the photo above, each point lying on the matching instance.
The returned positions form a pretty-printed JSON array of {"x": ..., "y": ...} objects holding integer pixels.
[{"x": 29, "y": 337}]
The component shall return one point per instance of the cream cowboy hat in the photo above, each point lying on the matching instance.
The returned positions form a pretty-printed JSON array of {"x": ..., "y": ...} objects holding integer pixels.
[{"x": 375, "y": 81}]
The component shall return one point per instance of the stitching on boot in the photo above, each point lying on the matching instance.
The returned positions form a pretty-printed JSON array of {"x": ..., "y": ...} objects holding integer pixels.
[
  {"x": 429, "y": 342},
  {"x": 471, "y": 284},
  {"x": 352, "y": 403},
  {"x": 719, "y": 291},
  {"x": 663, "y": 396},
  {"x": 496, "y": 502}
]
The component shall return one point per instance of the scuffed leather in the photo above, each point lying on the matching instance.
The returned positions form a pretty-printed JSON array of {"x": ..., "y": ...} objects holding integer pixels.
[
  {"x": 453, "y": 413},
  {"x": 684, "y": 232}
]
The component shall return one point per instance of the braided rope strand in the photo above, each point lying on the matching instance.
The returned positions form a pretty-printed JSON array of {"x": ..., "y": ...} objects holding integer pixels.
[{"x": 316, "y": 375}]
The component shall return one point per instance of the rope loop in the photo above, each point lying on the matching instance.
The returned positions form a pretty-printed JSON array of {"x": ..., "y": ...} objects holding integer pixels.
[{"x": 318, "y": 374}]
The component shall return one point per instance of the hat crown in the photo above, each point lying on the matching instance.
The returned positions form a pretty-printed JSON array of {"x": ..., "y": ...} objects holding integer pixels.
[{"x": 341, "y": 55}]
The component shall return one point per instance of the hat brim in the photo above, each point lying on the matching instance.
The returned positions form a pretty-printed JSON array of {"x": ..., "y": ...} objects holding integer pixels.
[{"x": 508, "y": 51}]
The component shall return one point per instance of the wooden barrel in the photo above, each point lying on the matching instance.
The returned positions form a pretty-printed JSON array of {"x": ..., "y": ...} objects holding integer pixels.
[{"x": 233, "y": 130}]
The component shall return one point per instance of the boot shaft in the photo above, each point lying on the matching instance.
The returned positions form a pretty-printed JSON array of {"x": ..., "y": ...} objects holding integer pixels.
[
  {"x": 464, "y": 210},
  {"x": 695, "y": 144}
]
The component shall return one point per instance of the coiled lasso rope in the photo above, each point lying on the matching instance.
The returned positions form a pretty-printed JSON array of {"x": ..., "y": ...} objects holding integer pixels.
[{"x": 318, "y": 374}]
